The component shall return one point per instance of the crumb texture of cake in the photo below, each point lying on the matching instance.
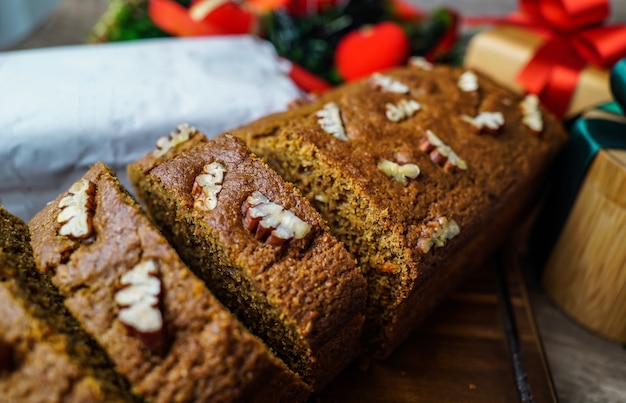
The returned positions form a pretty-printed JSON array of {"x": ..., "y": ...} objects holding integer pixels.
[
  {"x": 430, "y": 159},
  {"x": 263, "y": 250},
  {"x": 161, "y": 327},
  {"x": 44, "y": 357}
]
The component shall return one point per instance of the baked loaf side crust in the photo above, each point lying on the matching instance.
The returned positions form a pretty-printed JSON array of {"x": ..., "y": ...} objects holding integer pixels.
[
  {"x": 305, "y": 297},
  {"x": 43, "y": 356},
  {"x": 388, "y": 222},
  {"x": 199, "y": 353}
]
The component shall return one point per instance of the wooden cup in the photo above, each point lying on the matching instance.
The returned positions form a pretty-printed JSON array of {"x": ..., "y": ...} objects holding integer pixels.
[{"x": 586, "y": 272}]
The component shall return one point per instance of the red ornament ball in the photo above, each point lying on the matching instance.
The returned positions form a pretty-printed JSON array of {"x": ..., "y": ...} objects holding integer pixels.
[{"x": 371, "y": 48}]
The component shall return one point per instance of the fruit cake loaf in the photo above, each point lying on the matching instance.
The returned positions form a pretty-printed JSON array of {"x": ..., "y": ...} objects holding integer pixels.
[
  {"x": 420, "y": 171},
  {"x": 161, "y": 327},
  {"x": 44, "y": 356},
  {"x": 261, "y": 247}
]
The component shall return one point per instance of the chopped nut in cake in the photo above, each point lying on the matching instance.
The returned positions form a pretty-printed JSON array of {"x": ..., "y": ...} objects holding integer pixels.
[
  {"x": 399, "y": 172},
  {"x": 402, "y": 110},
  {"x": 207, "y": 186},
  {"x": 422, "y": 63},
  {"x": 182, "y": 134},
  {"x": 437, "y": 232},
  {"x": 138, "y": 300},
  {"x": 271, "y": 222},
  {"x": 388, "y": 84},
  {"x": 440, "y": 153},
  {"x": 329, "y": 119},
  {"x": 77, "y": 210},
  {"x": 321, "y": 198},
  {"x": 531, "y": 113},
  {"x": 491, "y": 122},
  {"x": 468, "y": 82}
]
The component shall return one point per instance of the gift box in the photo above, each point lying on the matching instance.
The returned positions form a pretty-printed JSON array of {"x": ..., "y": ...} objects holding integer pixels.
[
  {"x": 585, "y": 273},
  {"x": 561, "y": 53}
]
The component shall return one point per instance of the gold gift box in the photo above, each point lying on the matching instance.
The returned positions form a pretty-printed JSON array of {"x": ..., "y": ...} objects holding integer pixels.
[{"x": 503, "y": 51}]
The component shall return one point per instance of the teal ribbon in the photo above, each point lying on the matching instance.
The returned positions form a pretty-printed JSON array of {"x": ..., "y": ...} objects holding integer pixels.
[
  {"x": 588, "y": 135},
  {"x": 618, "y": 82}
]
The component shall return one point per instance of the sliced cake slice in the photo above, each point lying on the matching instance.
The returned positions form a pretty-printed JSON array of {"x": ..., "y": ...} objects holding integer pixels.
[
  {"x": 161, "y": 327},
  {"x": 262, "y": 248},
  {"x": 44, "y": 355},
  {"x": 421, "y": 172}
]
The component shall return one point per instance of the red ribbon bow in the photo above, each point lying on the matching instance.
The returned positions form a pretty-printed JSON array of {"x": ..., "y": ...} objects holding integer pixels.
[{"x": 575, "y": 37}]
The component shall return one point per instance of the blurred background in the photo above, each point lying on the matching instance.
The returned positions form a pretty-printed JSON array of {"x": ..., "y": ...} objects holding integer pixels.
[{"x": 64, "y": 22}]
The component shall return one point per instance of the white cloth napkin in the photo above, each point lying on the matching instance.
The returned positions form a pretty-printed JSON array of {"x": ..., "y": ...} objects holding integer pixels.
[{"x": 63, "y": 109}]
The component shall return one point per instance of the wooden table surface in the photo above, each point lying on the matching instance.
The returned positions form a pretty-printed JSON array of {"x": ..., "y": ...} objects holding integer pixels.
[
  {"x": 463, "y": 352},
  {"x": 584, "y": 367}
]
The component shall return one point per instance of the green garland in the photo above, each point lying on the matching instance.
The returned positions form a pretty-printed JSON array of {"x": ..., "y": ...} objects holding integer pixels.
[{"x": 127, "y": 20}]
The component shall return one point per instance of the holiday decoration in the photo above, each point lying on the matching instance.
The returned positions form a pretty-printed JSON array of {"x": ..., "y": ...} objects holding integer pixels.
[
  {"x": 325, "y": 41},
  {"x": 560, "y": 50}
]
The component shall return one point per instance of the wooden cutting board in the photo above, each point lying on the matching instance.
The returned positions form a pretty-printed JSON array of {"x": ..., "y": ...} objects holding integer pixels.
[{"x": 459, "y": 354}]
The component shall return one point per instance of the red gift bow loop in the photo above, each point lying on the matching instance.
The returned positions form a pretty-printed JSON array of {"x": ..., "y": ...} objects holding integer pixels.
[
  {"x": 602, "y": 46},
  {"x": 566, "y": 15},
  {"x": 574, "y": 39}
]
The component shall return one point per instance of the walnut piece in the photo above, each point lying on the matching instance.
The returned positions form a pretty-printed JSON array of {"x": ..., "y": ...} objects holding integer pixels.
[
  {"x": 182, "y": 134},
  {"x": 436, "y": 233},
  {"x": 138, "y": 303},
  {"x": 270, "y": 222},
  {"x": 422, "y": 63},
  {"x": 490, "y": 122},
  {"x": 531, "y": 115},
  {"x": 207, "y": 186},
  {"x": 399, "y": 172},
  {"x": 468, "y": 82},
  {"x": 302, "y": 101},
  {"x": 330, "y": 121},
  {"x": 388, "y": 84},
  {"x": 402, "y": 110},
  {"x": 321, "y": 198},
  {"x": 440, "y": 153},
  {"x": 77, "y": 209}
]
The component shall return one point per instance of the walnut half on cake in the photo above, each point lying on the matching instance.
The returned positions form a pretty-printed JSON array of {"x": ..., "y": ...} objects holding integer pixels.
[{"x": 262, "y": 249}]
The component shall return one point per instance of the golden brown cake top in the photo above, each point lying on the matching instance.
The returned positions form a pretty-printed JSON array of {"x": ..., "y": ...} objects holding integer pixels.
[
  {"x": 198, "y": 351},
  {"x": 422, "y": 144}
]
